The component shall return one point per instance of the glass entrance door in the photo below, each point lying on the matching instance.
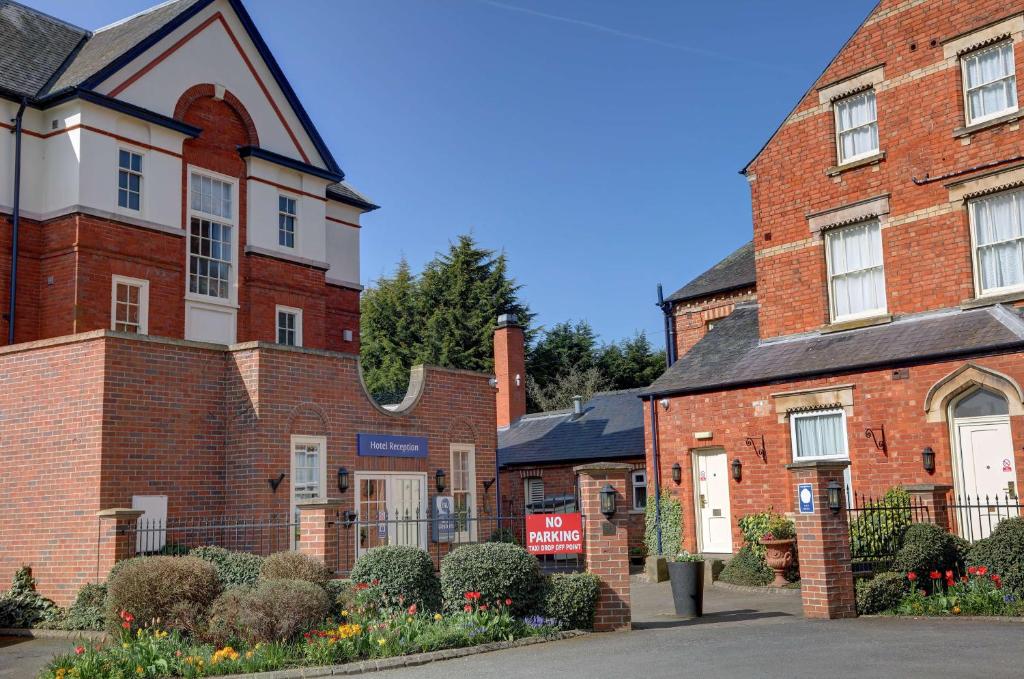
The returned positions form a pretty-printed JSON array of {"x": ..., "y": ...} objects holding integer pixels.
[{"x": 391, "y": 510}]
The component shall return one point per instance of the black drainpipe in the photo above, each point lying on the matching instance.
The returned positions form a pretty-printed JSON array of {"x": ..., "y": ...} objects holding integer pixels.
[
  {"x": 670, "y": 328},
  {"x": 15, "y": 221},
  {"x": 656, "y": 472}
]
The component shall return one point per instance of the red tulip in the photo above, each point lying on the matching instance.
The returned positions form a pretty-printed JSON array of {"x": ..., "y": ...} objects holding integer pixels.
[
  {"x": 982, "y": 570},
  {"x": 483, "y": 607},
  {"x": 467, "y": 608},
  {"x": 973, "y": 570},
  {"x": 79, "y": 650},
  {"x": 508, "y": 602},
  {"x": 912, "y": 576},
  {"x": 935, "y": 575},
  {"x": 412, "y": 610}
]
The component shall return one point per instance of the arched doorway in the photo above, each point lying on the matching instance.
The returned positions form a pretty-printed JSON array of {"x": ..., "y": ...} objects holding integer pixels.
[{"x": 983, "y": 464}]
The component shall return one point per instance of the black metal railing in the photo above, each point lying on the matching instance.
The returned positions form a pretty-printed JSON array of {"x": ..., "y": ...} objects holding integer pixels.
[
  {"x": 974, "y": 518},
  {"x": 261, "y": 535}
]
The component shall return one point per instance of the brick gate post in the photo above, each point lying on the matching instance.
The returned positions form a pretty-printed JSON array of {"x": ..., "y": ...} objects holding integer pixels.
[
  {"x": 114, "y": 539},
  {"x": 932, "y": 499},
  {"x": 823, "y": 538},
  {"x": 605, "y": 541},
  {"x": 318, "y": 530}
]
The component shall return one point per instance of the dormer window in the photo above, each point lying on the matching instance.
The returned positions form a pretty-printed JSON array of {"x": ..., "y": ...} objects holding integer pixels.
[
  {"x": 990, "y": 83},
  {"x": 856, "y": 126}
]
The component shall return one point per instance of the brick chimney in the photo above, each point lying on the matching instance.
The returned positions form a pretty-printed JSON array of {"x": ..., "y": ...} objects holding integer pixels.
[{"x": 510, "y": 369}]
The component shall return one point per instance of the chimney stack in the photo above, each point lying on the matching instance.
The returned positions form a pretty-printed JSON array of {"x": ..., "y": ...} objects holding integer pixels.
[{"x": 510, "y": 369}]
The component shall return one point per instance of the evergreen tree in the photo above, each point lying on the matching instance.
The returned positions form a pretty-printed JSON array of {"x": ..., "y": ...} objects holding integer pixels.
[
  {"x": 631, "y": 363},
  {"x": 390, "y": 333}
]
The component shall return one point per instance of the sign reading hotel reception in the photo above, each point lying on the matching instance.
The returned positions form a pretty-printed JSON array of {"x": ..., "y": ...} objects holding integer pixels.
[
  {"x": 386, "y": 445},
  {"x": 554, "y": 534}
]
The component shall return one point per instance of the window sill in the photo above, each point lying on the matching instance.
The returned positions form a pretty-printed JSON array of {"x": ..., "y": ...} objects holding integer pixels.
[
  {"x": 857, "y": 323},
  {"x": 968, "y": 130},
  {"x": 636, "y": 511},
  {"x": 1006, "y": 297},
  {"x": 854, "y": 164}
]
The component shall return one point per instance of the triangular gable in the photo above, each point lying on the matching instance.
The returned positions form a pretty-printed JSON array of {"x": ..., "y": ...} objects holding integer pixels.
[{"x": 128, "y": 61}]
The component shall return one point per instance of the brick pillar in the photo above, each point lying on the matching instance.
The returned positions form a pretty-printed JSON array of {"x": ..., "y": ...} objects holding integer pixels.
[
  {"x": 823, "y": 538},
  {"x": 510, "y": 370},
  {"x": 929, "y": 502},
  {"x": 606, "y": 543},
  {"x": 113, "y": 542},
  {"x": 318, "y": 530}
]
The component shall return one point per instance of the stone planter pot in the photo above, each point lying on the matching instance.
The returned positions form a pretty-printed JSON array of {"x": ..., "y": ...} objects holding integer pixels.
[
  {"x": 779, "y": 556},
  {"x": 656, "y": 568},
  {"x": 687, "y": 579}
]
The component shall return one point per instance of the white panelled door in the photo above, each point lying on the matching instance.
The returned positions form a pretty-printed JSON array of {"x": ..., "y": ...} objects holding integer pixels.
[
  {"x": 987, "y": 469},
  {"x": 392, "y": 510},
  {"x": 714, "y": 519}
]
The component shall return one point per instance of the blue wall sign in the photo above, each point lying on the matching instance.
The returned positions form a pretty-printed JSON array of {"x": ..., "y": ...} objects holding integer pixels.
[
  {"x": 443, "y": 519},
  {"x": 805, "y": 497},
  {"x": 386, "y": 445}
]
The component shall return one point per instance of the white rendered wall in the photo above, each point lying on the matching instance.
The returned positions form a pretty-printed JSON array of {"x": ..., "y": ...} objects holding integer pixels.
[
  {"x": 262, "y": 202},
  {"x": 343, "y": 244}
]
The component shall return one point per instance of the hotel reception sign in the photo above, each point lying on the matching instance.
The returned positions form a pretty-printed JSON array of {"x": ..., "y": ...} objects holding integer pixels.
[{"x": 386, "y": 445}]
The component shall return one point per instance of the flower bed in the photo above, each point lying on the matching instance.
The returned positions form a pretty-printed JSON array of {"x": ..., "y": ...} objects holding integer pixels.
[{"x": 979, "y": 592}]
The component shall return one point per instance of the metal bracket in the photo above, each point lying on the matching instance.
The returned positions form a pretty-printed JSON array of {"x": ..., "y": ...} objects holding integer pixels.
[
  {"x": 274, "y": 483},
  {"x": 878, "y": 438},
  {"x": 761, "y": 451}
]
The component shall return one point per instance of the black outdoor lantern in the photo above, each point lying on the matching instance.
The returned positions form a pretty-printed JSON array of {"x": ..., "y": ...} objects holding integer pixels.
[
  {"x": 439, "y": 480},
  {"x": 677, "y": 474},
  {"x": 737, "y": 469},
  {"x": 608, "y": 501},
  {"x": 928, "y": 459},
  {"x": 835, "y": 494},
  {"x": 342, "y": 479}
]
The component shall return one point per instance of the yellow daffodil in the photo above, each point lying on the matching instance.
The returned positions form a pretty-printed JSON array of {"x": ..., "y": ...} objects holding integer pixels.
[
  {"x": 381, "y": 642},
  {"x": 344, "y": 614},
  {"x": 437, "y": 616},
  {"x": 139, "y": 671}
]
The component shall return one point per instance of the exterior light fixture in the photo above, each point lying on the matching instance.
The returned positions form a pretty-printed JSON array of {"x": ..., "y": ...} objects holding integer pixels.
[
  {"x": 342, "y": 479},
  {"x": 928, "y": 459},
  {"x": 439, "y": 480},
  {"x": 608, "y": 501},
  {"x": 737, "y": 469},
  {"x": 664, "y": 403},
  {"x": 835, "y": 494},
  {"x": 677, "y": 474}
]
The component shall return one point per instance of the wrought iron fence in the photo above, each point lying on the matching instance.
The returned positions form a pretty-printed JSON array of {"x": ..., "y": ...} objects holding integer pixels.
[
  {"x": 974, "y": 518},
  {"x": 258, "y": 535}
]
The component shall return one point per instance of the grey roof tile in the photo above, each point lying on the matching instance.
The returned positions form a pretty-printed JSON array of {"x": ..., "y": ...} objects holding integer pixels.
[
  {"x": 346, "y": 194},
  {"x": 33, "y": 46},
  {"x": 611, "y": 427},
  {"x": 733, "y": 272},
  {"x": 731, "y": 355}
]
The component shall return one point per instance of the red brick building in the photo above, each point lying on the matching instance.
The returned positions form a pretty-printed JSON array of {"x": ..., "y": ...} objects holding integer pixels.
[
  {"x": 888, "y": 245},
  {"x": 181, "y": 334}
]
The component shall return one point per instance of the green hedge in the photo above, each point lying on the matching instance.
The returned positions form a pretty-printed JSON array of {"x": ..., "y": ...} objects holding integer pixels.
[
  {"x": 276, "y": 610},
  {"x": 881, "y": 593},
  {"x": 571, "y": 599},
  {"x": 926, "y": 547},
  {"x": 235, "y": 569},
  {"x": 294, "y": 566},
  {"x": 1003, "y": 553},
  {"x": 406, "y": 572},
  {"x": 497, "y": 570},
  {"x": 671, "y": 526}
]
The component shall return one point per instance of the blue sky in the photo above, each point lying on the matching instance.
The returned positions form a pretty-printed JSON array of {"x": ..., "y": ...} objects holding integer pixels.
[{"x": 596, "y": 142}]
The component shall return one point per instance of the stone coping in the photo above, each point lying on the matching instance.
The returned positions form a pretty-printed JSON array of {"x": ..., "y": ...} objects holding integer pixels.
[
  {"x": 603, "y": 467},
  {"x": 819, "y": 464},
  {"x": 71, "y": 635}
]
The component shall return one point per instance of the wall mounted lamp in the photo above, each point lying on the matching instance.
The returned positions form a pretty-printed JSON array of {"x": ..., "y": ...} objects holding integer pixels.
[{"x": 677, "y": 474}]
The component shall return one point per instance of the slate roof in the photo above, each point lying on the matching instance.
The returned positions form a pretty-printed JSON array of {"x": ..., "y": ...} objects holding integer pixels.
[
  {"x": 732, "y": 356},
  {"x": 33, "y": 46},
  {"x": 346, "y": 194},
  {"x": 611, "y": 427},
  {"x": 734, "y": 272}
]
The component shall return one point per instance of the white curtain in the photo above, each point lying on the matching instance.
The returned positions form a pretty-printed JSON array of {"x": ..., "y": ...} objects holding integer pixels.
[
  {"x": 998, "y": 233},
  {"x": 858, "y": 276},
  {"x": 991, "y": 84},
  {"x": 856, "y": 120},
  {"x": 820, "y": 435}
]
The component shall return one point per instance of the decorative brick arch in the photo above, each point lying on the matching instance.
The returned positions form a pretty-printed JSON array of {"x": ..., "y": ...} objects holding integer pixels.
[
  {"x": 964, "y": 378},
  {"x": 461, "y": 430},
  {"x": 308, "y": 419},
  {"x": 196, "y": 92}
]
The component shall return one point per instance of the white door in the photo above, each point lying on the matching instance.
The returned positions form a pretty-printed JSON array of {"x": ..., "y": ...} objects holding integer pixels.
[
  {"x": 987, "y": 470},
  {"x": 714, "y": 521},
  {"x": 391, "y": 510}
]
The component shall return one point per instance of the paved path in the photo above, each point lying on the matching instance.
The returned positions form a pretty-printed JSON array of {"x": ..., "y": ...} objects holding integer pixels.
[{"x": 23, "y": 658}]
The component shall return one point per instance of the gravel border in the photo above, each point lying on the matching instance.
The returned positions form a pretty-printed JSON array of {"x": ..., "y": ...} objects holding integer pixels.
[
  {"x": 91, "y": 635},
  {"x": 364, "y": 666},
  {"x": 774, "y": 591}
]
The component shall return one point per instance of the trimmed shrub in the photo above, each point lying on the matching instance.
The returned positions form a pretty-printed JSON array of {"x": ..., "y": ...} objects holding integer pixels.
[
  {"x": 879, "y": 526},
  {"x": 497, "y": 570},
  {"x": 341, "y": 594},
  {"x": 881, "y": 593},
  {"x": 504, "y": 535},
  {"x": 571, "y": 599},
  {"x": 671, "y": 526},
  {"x": 926, "y": 547},
  {"x": 748, "y": 568},
  {"x": 276, "y": 610},
  {"x": 294, "y": 566},
  {"x": 22, "y": 605},
  {"x": 235, "y": 569},
  {"x": 400, "y": 571},
  {"x": 1003, "y": 553},
  {"x": 88, "y": 612},
  {"x": 176, "y": 589}
]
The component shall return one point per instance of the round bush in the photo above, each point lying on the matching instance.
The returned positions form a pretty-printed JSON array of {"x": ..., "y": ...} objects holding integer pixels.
[
  {"x": 276, "y": 610},
  {"x": 174, "y": 589},
  {"x": 295, "y": 566},
  {"x": 235, "y": 569},
  {"x": 881, "y": 593},
  {"x": 748, "y": 568},
  {"x": 402, "y": 572},
  {"x": 1003, "y": 553},
  {"x": 926, "y": 547},
  {"x": 498, "y": 570},
  {"x": 571, "y": 599}
]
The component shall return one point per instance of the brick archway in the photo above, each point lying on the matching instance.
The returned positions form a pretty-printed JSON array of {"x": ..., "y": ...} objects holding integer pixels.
[
  {"x": 969, "y": 376},
  {"x": 208, "y": 90}
]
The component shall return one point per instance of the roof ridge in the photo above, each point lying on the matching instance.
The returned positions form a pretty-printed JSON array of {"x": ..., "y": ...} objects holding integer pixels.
[
  {"x": 64, "y": 22},
  {"x": 1013, "y": 322},
  {"x": 137, "y": 15}
]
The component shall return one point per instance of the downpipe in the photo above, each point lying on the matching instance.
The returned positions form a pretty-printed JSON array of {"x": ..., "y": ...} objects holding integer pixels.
[
  {"x": 657, "y": 473},
  {"x": 15, "y": 221}
]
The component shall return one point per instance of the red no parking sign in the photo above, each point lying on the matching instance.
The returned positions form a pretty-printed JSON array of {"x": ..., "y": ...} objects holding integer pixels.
[{"x": 554, "y": 534}]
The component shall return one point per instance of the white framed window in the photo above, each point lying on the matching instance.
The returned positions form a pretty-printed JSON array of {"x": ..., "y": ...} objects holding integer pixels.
[
  {"x": 819, "y": 434},
  {"x": 856, "y": 126},
  {"x": 639, "y": 482},
  {"x": 289, "y": 326},
  {"x": 990, "y": 82},
  {"x": 463, "y": 465},
  {"x": 533, "y": 489},
  {"x": 129, "y": 304},
  {"x": 129, "y": 179},
  {"x": 856, "y": 274},
  {"x": 308, "y": 472},
  {"x": 286, "y": 219},
  {"x": 997, "y": 231},
  {"x": 211, "y": 242}
]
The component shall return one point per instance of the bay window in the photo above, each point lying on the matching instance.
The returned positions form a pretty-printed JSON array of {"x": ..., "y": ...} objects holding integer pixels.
[
  {"x": 998, "y": 241},
  {"x": 856, "y": 275},
  {"x": 856, "y": 126},
  {"x": 990, "y": 82}
]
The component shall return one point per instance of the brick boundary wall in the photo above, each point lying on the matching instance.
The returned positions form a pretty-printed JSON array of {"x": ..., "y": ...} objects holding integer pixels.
[{"x": 606, "y": 542}]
